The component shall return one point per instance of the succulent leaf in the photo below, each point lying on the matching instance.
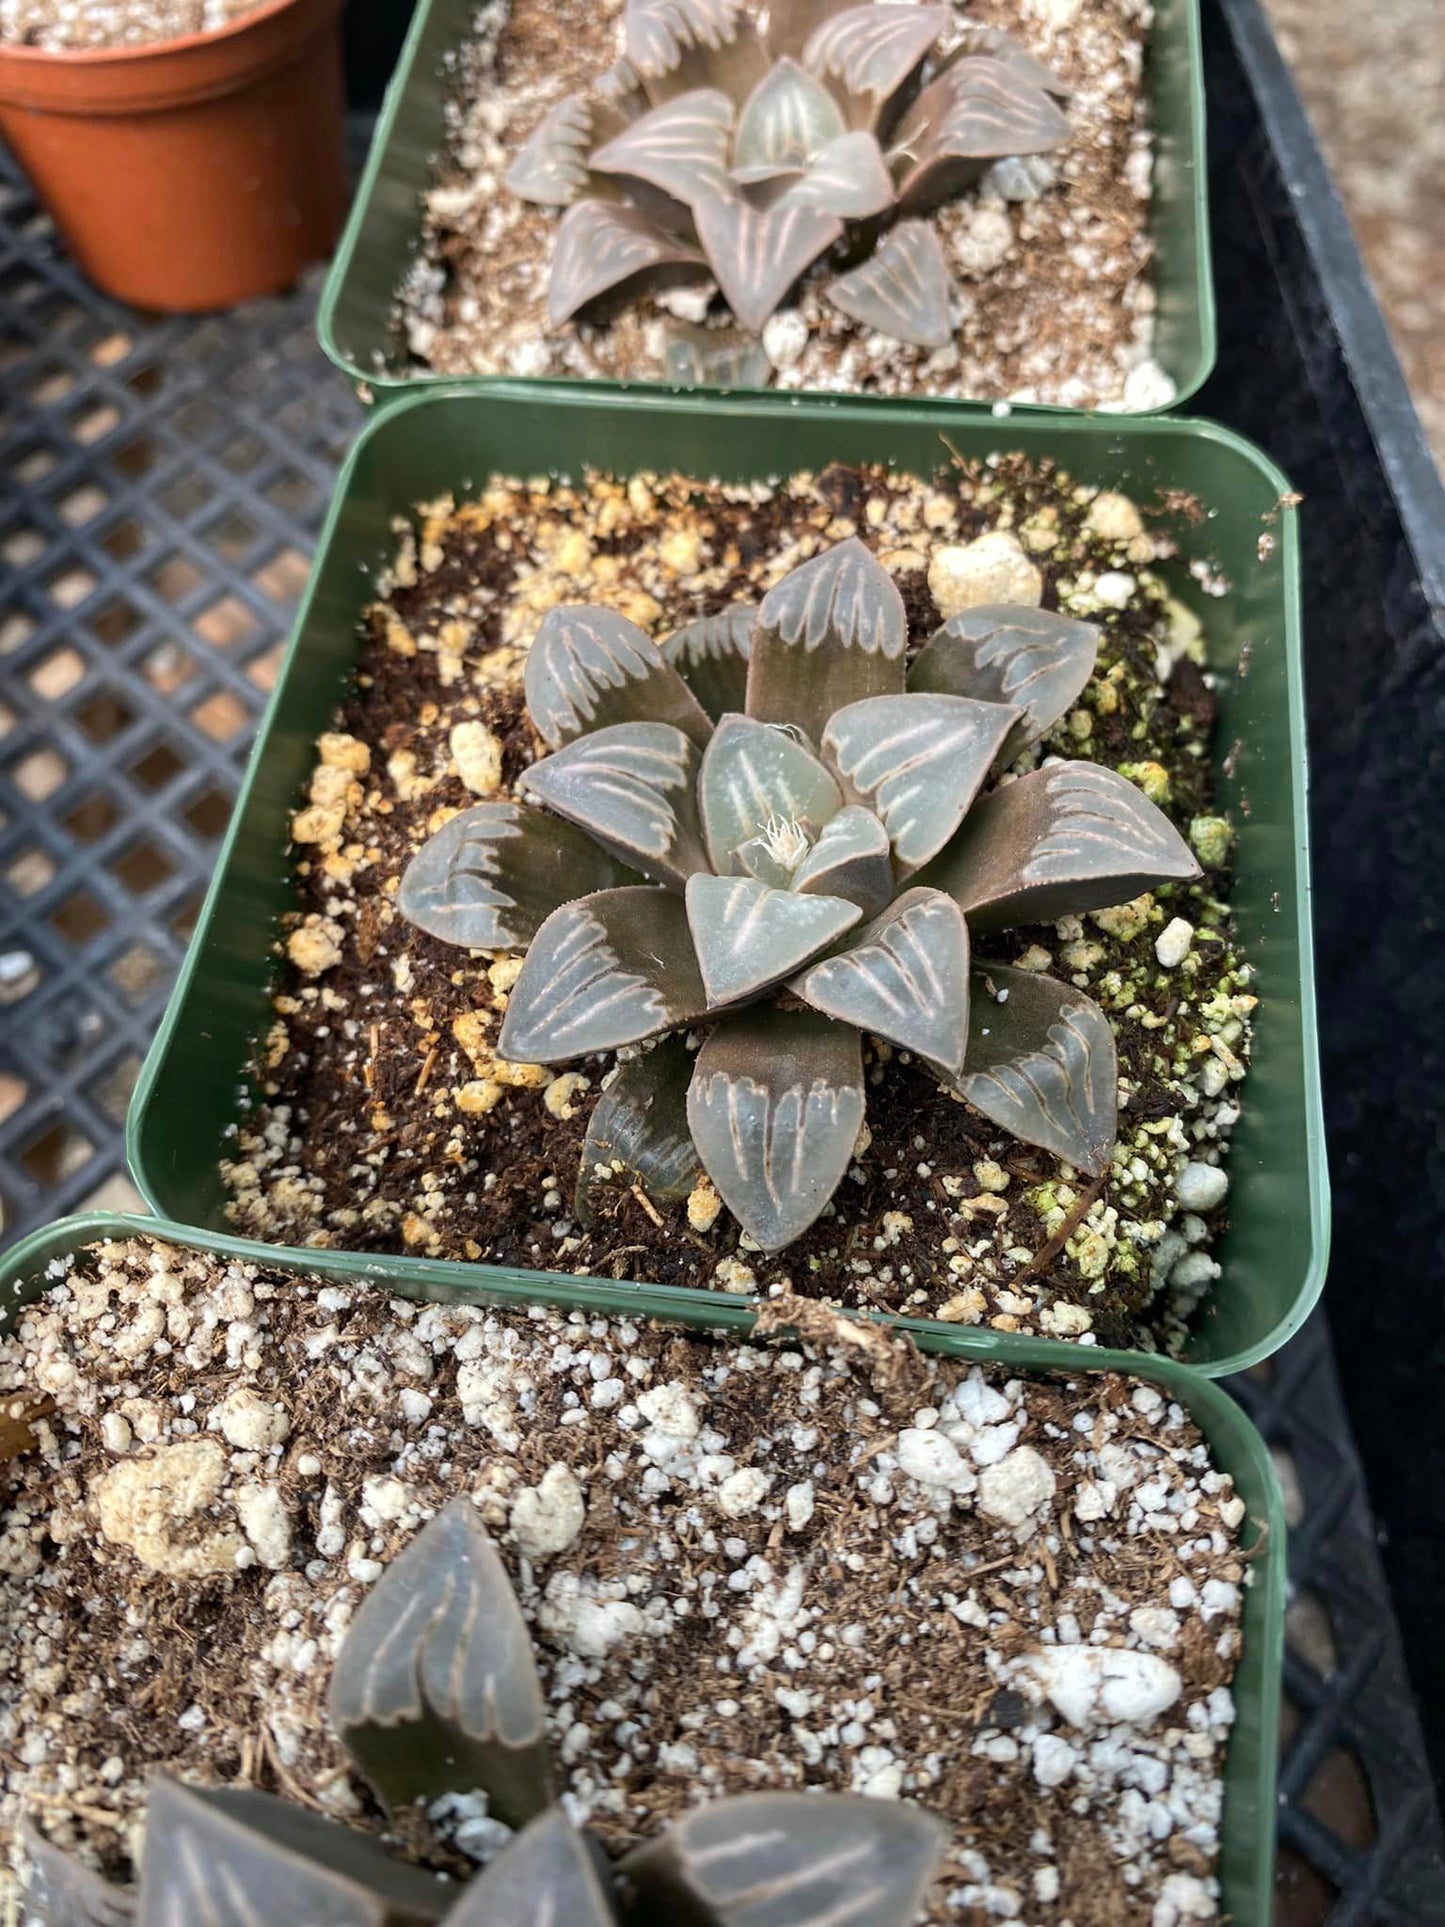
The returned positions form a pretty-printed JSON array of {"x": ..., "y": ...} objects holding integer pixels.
[
  {"x": 754, "y": 775},
  {"x": 830, "y": 633},
  {"x": 786, "y": 121},
  {"x": 548, "y": 1876},
  {"x": 849, "y": 178},
  {"x": 551, "y": 164},
  {"x": 902, "y": 290},
  {"x": 1036, "y": 659},
  {"x": 237, "y": 1859},
  {"x": 435, "y": 1687},
  {"x": 1041, "y": 1063},
  {"x": 758, "y": 253},
  {"x": 748, "y": 935},
  {"x": 640, "y": 1121},
  {"x": 791, "y": 23},
  {"x": 695, "y": 357},
  {"x": 680, "y": 147},
  {"x": 997, "y": 43},
  {"x": 1068, "y": 837},
  {"x": 871, "y": 51},
  {"x": 611, "y": 969},
  {"x": 917, "y": 761},
  {"x": 490, "y": 878},
  {"x": 60, "y": 1892},
  {"x": 904, "y": 977},
  {"x": 759, "y": 858},
  {"x": 659, "y": 32},
  {"x": 602, "y": 248},
  {"x": 788, "y": 1860},
  {"x": 712, "y": 654},
  {"x": 851, "y": 859},
  {"x": 632, "y": 787},
  {"x": 589, "y": 668},
  {"x": 775, "y": 1107},
  {"x": 978, "y": 111}
]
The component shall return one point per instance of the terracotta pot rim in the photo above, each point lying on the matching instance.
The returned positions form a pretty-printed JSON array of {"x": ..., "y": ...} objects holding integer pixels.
[{"x": 178, "y": 45}]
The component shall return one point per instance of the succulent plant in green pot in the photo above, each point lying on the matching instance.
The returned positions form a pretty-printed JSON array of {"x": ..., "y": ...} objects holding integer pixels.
[
  {"x": 746, "y": 144},
  {"x": 775, "y": 835},
  {"x": 436, "y": 1692}
]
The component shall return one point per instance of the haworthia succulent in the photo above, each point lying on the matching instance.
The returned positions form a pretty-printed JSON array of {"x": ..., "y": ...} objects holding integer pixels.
[
  {"x": 903, "y": 977},
  {"x": 435, "y": 1688},
  {"x": 754, "y": 776},
  {"x": 1036, "y": 659}
]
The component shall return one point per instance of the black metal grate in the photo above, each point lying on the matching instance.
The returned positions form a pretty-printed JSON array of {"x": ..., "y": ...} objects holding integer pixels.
[
  {"x": 164, "y": 483},
  {"x": 166, "y": 480}
]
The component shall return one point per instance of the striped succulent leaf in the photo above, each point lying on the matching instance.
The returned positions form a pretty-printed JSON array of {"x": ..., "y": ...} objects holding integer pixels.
[
  {"x": 758, "y": 253},
  {"x": 749, "y": 935},
  {"x": 712, "y": 655},
  {"x": 551, "y": 164},
  {"x": 632, "y": 787},
  {"x": 1036, "y": 659},
  {"x": 831, "y": 632},
  {"x": 588, "y": 668},
  {"x": 903, "y": 289},
  {"x": 871, "y": 52},
  {"x": 976, "y": 112},
  {"x": 640, "y": 1123},
  {"x": 680, "y": 147},
  {"x": 549, "y": 1875},
  {"x": 602, "y": 248},
  {"x": 848, "y": 178}
]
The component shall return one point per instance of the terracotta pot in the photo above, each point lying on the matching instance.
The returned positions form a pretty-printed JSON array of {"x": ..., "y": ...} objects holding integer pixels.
[{"x": 192, "y": 173}]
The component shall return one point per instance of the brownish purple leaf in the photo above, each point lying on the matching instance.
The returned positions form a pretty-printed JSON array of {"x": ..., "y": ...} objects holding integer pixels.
[
  {"x": 550, "y": 1875},
  {"x": 978, "y": 111},
  {"x": 775, "y": 1107},
  {"x": 640, "y": 1122},
  {"x": 997, "y": 43},
  {"x": 490, "y": 878},
  {"x": 711, "y": 655},
  {"x": 903, "y": 289},
  {"x": 659, "y": 32},
  {"x": 849, "y": 178},
  {"x": 1041, "y": 1063},
  {"x": 680, "y": 148},
  {"x": 831, "y": 632},
  {"x": 1036, "y": 659},
  {"x": 870, "y": 52},
  {"x": 850, "y": 859},
  {"x": 602, "y": 248},
  {"x": 633, "y": 788},
  {"x": 791, "y": 23},
  {"x": 788, "y": 1860},
  {"x": 748, "y": 934},
  {"x": 1068, "y": 838},
  {"x": 757, "y": 254},
  {"x": 551, "y": 164},
  {"x": 904, "y": 977},
  {"x": 611, "y": 969},
  {"x": 589, "y": 668},
  {"x": 786, "y": 121},
  {"x": 61, "y": 1892}
]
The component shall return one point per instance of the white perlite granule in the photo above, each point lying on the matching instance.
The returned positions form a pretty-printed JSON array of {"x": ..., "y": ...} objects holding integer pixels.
[
  {"x": 61, "y": 26},
  {"x": 760, "y": 1565}
]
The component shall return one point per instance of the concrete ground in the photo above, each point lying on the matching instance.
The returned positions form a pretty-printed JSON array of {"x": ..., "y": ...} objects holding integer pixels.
[{"x": 1373, "y": 79}]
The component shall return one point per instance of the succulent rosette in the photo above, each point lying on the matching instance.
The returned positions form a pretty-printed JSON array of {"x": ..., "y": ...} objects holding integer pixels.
[
  {"x": 776, "y": 835},
  {"x": 436, "y": 1692},
  {"x": 746, "y": 144}
]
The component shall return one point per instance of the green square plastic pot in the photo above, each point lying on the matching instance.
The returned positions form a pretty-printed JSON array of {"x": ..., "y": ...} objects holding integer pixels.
[
  {"x": 357, "y": 322},
  {"x": 1246, "y": 1858},
  {"x": 1273, "y": 1254}
]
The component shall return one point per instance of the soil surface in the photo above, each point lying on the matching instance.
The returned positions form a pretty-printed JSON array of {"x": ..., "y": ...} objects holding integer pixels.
[
  {"x": 61, "y": 26},
  {"x": 1053, "y": 297},
  {"x": 788, "y": 1564},
  {"x": 385, "y": 1120}
]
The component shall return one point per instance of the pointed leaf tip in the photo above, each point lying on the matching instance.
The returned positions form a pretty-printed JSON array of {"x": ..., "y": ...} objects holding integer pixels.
[
  {"x": 435, "y": 1686},
  {"x": 548, "y": 1876},
  {"x": 589, "y": 668},
  {"x": 1041, "y": 1063},
  {"x": 904, "y": 978},
  {"x": 680, "y": 147},
  {"x": 1066, "y": 838},
  {"x": 632, "y": 787},
  {"x": 786, "y": 121},
  {"x": 659, "y": 32},
  {"x": 207, "y": 1850},
  {"x": 758, "y": 253},
  {"x": 491, "y": 877},
  {"x": 849, "y": 178},
  {"x": 551, "y": 164},
  {"x": 833, "y": 631},
  {"x": 611, "y": 969},
  {"x": 711, "y": 655},
  {"x": 903, "y": 289},
  {"x": 1036, "y": 659},
  {"x": 872, "y": 50},
  {"x": 602, "y": 248},
  {"x": 775, "y": 1107},
  {"x": 918, "y": 761},
  {"x": 804, "y": 1859},
  {"x": 748, "y": 934}
]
